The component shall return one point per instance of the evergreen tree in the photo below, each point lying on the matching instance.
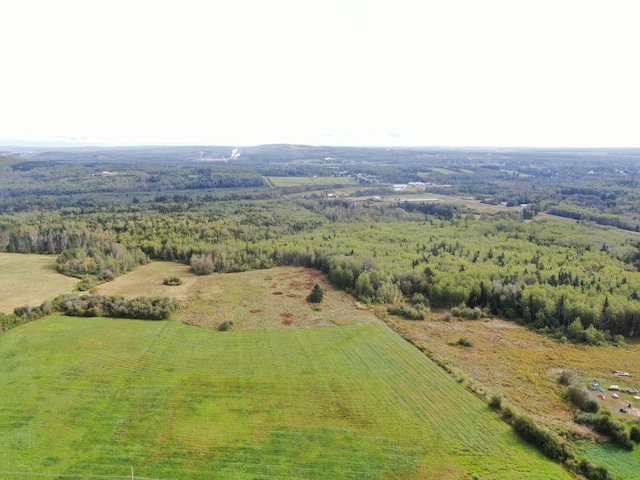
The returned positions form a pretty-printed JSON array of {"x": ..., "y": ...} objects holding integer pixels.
[{"x": 316, "y": 294}]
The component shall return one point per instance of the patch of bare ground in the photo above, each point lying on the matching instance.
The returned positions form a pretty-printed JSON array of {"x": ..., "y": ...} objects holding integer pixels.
[{"x": 523, "y": 366}]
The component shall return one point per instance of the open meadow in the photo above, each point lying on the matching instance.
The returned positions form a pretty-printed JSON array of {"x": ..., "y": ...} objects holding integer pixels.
[
  {"x": 29, "y": 280},
  {"x": 95, "y": 396},
  {"x": 310, "y": 181},
  {"x": 257, "y": 300},
  {"x": 523, "y": 367}
]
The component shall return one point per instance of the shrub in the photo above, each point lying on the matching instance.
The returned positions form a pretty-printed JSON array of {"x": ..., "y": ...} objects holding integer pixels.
[
  {"x": 585, "y": 418},
  {"x": 202, "y": 264},
  {"x": 173, "y": 281},
  {"x": 406, "y": 311},
  {"x": 226, "y": 325},
  {"x": 553, "y": 448},
  {"x": 593, "y": 472},
  {"x": 495, "y": 402},
  {"x": 567, "y": 377},
  {"x": 464, "y": 342},
  {"x": 615, "y": 430},
  {"x": 508, "y": 414},
  {"x": 412, "y": 313},
  {"x": 605, "y": 425},
  {"x": 86, "y": 284},
  {"x": 581, "y": 398},
  {"x": 634, "y": 434},
  {"x": 575, "y": 331},
  {"x": 418, "y": 299},
  {"x": 593, "y": 336}
]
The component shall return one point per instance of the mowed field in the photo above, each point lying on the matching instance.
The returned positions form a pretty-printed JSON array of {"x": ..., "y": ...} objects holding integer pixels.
[
  {"x": 523, "y": 366},
  {"x": 94, "y": 396},
  {"x": 320, "y": 181},
  {"x": 29, "y": 280}
]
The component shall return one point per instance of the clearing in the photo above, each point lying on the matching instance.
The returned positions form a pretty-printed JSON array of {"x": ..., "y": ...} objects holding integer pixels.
[
  {"x": 256, "y": 300},
  {"x": 29, "y": 280}
]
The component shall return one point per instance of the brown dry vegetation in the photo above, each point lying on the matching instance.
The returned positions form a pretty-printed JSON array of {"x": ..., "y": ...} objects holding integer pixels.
[
  {"x": 261, "y": 299},
  {"x": 253, "y": 300},
  {"x": 523, "y": 366}
]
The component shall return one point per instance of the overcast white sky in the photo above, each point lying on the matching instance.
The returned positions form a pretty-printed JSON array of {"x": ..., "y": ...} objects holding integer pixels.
[{"x": 323, "y": 72}]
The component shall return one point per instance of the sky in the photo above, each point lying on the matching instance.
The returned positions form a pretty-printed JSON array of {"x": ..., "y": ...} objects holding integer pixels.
[{"x": 561, "y": 73}]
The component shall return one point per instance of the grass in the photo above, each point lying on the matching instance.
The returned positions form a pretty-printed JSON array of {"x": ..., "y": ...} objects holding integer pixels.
[
  {"x": 29, "y": 280},
  {"x": 320, "y": 181},
  {"x": 258, "y": 300},
  {"x": 523, "y": 366},
  {"x": 444, "y": 171},
  {"x": 147, "y": 281},
  {"x": 96, "y": 396}
]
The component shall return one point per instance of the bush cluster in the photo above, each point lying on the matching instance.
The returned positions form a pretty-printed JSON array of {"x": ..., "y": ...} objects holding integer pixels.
[
  {"x": 590, "y": 335},
  {"x": 172, "y": 280},
  {"x": 202, "y": 264},
  {"x": 581, "y": 398},
  {"x": 23, "y": 315},
  {"x": 159, "y": 308},
  {"x": 548, "y": 444},
  {"x": 466, "y": 312},
  {"x": 407, "y": 311},
  {"x": 605, "y": 425},
  {"x": 577, "y": 394},
  {"x": 592, "y": 471}
]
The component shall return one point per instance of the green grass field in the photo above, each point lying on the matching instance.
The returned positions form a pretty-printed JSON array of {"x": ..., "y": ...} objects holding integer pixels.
[
  {"x": 29, "y": 280},
  {"x": 320, "y": 181},
  {"x": 97, "y": 396},
  {"x": 444, "y": 171}
]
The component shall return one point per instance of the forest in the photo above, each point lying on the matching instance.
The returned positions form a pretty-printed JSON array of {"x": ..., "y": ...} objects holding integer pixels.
[{"x": 546, "y": 238}]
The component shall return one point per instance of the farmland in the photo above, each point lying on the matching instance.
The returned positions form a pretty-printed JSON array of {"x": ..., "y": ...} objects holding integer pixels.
[
  {"x": 313, "y": 181},
  {"x": 179, "y": 401},
  {"x": 30, "y": 280}
]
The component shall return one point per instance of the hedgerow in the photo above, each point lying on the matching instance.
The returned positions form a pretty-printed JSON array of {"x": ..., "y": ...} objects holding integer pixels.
[{"x": 158, "y": 308}]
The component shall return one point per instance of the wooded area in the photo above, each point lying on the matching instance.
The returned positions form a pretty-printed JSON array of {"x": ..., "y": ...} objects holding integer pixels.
[{"x": 574, "y": 277}]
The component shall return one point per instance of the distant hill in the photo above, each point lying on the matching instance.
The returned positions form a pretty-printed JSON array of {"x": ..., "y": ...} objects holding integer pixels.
[{"x": 285, "y": 153}]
